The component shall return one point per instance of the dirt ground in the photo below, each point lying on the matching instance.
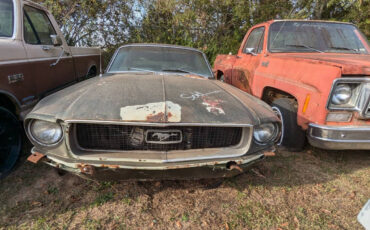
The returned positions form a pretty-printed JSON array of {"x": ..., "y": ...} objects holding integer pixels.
[{"x": 314, "y": 189}]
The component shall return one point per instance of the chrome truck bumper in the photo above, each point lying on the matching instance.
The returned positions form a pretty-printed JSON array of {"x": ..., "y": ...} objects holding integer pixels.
[{"x": 339, "y": 137}]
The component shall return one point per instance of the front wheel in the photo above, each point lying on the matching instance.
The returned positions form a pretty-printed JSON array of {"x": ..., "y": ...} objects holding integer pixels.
[
  {"x": 222, "y": 78},
  {"x": 92, "y": 73},
  {"x": 292, "y": 136},
  {"x": 10, "y": 141}
]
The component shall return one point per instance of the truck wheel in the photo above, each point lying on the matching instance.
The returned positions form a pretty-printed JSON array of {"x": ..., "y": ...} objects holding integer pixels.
[
  {"x": 222, "y": 78},
  {"x": 92, "y": 73},
  {"x": 10, "y": 141},
  {"x": 292, "y": 136}
]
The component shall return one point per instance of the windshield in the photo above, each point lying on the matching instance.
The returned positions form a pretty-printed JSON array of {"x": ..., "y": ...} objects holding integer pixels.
[
  {"x": 315, "y": 37},
  {"x": 160, "y": 59},
  {"x": 6, "y": 18}
]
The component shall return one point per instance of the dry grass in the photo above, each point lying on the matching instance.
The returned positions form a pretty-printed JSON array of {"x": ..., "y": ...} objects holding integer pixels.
[{"x": 314, "y": 189}]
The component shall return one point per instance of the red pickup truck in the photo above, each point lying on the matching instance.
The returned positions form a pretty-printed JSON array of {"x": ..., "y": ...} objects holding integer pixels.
[{"x": 314, "y": 74}]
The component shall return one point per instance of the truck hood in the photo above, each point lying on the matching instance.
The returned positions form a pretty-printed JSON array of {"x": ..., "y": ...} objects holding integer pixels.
[
  {"x": 154, "y": 98},
  {"x": 351, "y": 64}
]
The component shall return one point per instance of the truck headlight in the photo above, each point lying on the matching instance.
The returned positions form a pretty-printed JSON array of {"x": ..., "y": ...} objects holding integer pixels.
[
  {"x": 45, "y": 132},
  {"x": 344, "y": 94},
  {"x": 341, "y": 94},
  {"x": 265, "y": 133}
]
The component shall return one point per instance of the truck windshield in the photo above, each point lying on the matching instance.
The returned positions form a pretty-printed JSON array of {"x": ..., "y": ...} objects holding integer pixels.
[
  {"x": 160, "y": 59},
  {"x": 6, "y": 18},
  {"x": 290, "y": 36}
]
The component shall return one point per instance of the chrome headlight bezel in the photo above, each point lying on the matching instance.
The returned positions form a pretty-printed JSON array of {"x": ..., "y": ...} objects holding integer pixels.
[
  {"x": 260, "y": 128},
  {"x": 37, "y": 140},
  {"x": 341, "y": 95},
  {"x": 352, "y": 104}
]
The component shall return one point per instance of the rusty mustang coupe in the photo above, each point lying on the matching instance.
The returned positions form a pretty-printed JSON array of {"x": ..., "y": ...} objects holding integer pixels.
[{"x": 157, "y": 113}]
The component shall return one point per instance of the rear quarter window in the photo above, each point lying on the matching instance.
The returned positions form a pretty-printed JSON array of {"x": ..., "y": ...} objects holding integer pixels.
[{"x": 6, "y": 18}]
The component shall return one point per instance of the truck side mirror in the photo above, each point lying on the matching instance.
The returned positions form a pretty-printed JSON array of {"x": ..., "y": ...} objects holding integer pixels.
[
  {"x": 250, "y": 51},
  {"x": 56, "y": 40}
]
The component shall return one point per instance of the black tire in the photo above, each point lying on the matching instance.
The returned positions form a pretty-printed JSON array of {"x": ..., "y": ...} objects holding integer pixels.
[
  {"x": 292, "y": 137},
  {"x": 92, "y": 73},
  {"x": 221, "y": 78},
  {"x": 10, "y": 141}
]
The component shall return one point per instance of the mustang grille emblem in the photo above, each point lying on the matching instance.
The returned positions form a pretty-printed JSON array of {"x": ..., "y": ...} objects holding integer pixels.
[{"x": 163, "y": 136}]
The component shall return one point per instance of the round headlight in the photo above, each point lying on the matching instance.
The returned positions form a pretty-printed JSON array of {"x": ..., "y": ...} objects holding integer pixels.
[
  {"x": 46, "y": 133},
  {"x": 265, "y": 133},
  {"x": 342, "y": 94}
]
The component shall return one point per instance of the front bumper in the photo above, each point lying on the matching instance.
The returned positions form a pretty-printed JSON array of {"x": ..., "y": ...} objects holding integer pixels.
[
  {"x": 200, "y": 169},
  {"x": 339, "y": 137}
]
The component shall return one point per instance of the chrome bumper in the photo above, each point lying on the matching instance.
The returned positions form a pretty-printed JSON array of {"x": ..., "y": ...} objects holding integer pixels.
[{"x": 339, "y": 137}]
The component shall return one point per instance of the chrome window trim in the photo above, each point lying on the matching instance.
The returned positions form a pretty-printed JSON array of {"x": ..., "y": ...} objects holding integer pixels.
[
  {"x": 360, "y": 106},
  {"x": 32, "y": 60},
  {"x": 157, "y": 45}
]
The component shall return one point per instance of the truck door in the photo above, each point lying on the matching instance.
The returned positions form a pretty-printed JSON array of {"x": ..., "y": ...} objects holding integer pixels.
[
  {"x": 15, "y": 72},
  {"x": 41, "y": 52},
  {"x": 248, "y": 60}
]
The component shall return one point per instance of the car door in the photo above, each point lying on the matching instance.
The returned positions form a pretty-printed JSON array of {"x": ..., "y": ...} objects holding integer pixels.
[
  {"x": 50, "y": 74},
  {"x": 248, "y": 60}
]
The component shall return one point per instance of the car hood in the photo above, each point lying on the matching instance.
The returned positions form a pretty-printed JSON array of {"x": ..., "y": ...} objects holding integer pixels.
[
  {"x": 153, "y": 98},
  {"x": 350, "y": 64}
]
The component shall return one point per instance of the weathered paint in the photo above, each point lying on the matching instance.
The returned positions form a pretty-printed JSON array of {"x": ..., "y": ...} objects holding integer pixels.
[
  {"x": 213, "y": 106},
  {"x": 298, "y": 74},
  {"x": 152, "y": 112},
  {"x": 103, "y": 98}
]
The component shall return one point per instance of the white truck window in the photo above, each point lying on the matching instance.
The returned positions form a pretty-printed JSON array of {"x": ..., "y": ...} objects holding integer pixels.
[
  {"x": 6, "y": 18},
  {"x": 37, "y": 27}
]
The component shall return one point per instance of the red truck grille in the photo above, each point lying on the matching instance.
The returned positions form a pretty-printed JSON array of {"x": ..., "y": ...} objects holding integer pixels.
[{"x": 126, "y": 138}]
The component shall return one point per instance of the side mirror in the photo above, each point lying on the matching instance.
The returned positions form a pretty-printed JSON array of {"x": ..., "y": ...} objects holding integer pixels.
[
  {"x": 250, "y": 51},
  {"x": 56, "y": 40}
]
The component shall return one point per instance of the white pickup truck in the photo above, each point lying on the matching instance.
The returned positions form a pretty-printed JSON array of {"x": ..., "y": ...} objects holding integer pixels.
[{"x": 35, "y": 61}]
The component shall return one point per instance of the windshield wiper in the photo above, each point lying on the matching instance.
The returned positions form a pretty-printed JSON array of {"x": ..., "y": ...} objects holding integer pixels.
[
  {"x": 343, "y": 48},
  {"x": 178, "y": 70},
  {"x": 306, "y": 46},
  {"x": 144, "y": 70}
]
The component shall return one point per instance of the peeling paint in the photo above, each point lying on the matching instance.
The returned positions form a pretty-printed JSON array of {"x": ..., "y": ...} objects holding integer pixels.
[
  {"x": 152, "y": 112},
  {"x": 213, "y": 106}
]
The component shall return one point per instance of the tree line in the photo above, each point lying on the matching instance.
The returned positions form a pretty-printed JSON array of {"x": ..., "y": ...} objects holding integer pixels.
[{"x": 214, "y": 26}]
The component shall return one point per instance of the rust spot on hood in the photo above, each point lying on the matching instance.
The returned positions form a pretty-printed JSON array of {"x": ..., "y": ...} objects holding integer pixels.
[{"x": 159, "y": 117}]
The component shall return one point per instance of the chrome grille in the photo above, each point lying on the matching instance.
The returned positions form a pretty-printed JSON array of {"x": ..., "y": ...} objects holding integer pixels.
[{"x": 126, "y": 138}]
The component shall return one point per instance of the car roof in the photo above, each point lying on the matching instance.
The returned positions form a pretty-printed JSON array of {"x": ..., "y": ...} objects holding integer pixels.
[
  {"x": 161, "y": 45},
  {"x": 305, "y": 20}
]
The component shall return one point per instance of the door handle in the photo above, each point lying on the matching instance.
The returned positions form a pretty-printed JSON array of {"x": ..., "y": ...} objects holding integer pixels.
[{"x": 46, "y": 48}]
